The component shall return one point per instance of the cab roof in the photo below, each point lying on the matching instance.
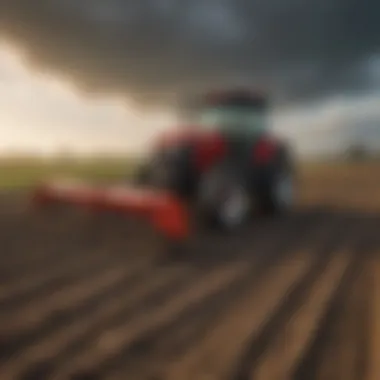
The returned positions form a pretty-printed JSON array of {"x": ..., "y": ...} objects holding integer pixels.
[{"x": 237, "y": 97}]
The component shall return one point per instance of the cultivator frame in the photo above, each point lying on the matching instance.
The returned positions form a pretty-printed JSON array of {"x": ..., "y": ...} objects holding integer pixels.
[{"x": 162, "y": 210}]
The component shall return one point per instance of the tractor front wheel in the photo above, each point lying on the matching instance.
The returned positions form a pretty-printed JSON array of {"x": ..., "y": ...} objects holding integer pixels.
[{"x": 223, "y": 199}]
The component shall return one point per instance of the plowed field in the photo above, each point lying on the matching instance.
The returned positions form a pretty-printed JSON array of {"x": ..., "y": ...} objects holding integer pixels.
[{"x": 295, "y": 297}]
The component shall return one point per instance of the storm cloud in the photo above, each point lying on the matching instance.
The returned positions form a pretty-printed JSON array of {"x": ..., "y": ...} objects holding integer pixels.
[{"x": 153, "y": 51}]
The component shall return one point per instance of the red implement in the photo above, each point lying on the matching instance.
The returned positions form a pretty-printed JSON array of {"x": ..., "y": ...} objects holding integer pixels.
[{"x": 164, "y": 211}]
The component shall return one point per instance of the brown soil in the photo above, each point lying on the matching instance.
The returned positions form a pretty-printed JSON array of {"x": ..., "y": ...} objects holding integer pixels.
[{"x": 294, "y": 297}]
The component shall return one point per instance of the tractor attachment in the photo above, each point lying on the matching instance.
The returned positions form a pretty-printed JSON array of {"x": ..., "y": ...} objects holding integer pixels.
[{"x": 163, "y": 211}]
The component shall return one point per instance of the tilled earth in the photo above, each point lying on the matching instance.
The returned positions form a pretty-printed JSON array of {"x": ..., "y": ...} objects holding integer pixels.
[{"x": 295, "y": 297}]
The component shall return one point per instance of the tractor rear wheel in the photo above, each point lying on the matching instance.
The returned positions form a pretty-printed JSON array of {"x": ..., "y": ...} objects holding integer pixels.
[{"x": 279, "y": 196}]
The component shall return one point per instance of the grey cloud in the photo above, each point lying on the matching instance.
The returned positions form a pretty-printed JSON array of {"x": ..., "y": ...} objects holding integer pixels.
[{"x": 150, "y": 50}]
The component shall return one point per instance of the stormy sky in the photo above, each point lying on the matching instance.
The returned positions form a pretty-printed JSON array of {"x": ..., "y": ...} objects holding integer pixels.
[{"x": 155, "y": 51}]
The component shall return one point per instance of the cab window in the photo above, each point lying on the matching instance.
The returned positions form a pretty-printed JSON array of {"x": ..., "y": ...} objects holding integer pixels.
[{"x": 239, "y": 119}]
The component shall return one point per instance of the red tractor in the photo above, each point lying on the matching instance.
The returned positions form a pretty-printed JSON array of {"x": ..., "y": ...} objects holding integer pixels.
[
  {"x": 226, "y": 163},
  {"x": 225, "y": 166}
]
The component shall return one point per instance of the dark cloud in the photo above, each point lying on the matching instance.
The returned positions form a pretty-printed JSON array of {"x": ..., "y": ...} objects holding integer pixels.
[{"x": 152, "y": 49}]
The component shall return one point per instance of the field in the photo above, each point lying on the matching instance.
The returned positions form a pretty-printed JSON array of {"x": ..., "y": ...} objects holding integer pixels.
[
  {"x": 289, "y": 298},
  {"x": 24, "y": 172}
]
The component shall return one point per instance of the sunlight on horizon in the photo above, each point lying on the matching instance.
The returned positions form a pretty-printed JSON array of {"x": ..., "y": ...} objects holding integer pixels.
[{"x": 41, "y": 114}]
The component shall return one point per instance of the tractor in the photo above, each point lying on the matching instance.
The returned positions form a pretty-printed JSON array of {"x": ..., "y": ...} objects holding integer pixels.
[
  {"x": 225, "y": 165},
  {"x": 225, "y": 162}
]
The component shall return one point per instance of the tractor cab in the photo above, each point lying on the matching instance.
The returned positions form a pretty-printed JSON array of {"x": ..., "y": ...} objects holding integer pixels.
[{"x": 236, "y": 113}]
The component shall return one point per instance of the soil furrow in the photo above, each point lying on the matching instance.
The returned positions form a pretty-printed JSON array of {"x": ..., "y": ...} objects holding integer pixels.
[
  {"x": 323, "y": 252},
  {"x": 174, "y": 340},
  {"x": 314, "y": 353},
  {"x": 110, "y": 341},
  {"x": 373, "y": 370},
  {"x": 286, "y": 349},
  {"x": 38, "y": 285},
  {"x": 50, "y": 349},
  {"x": 341, "y": 355},
  {"x": 36, "y": 312},
  {"x": 213, "y": 359}
]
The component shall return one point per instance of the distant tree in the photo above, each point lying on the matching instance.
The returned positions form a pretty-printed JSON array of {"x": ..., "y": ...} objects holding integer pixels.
[{"x": 357, "y": 152}]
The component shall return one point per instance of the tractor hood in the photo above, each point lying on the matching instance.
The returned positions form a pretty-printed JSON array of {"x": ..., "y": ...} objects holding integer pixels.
[
  {"x": 192, "y": 151},
  {"x": 182, "y": 136},
  {"x": 191, "y": 146},
  {"x": 192, "y": 137}
]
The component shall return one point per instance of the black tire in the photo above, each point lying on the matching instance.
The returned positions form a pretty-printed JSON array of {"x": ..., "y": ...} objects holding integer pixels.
[
  {"x": 278, "y": 197},
  {"x": 215, "y": 204}
]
